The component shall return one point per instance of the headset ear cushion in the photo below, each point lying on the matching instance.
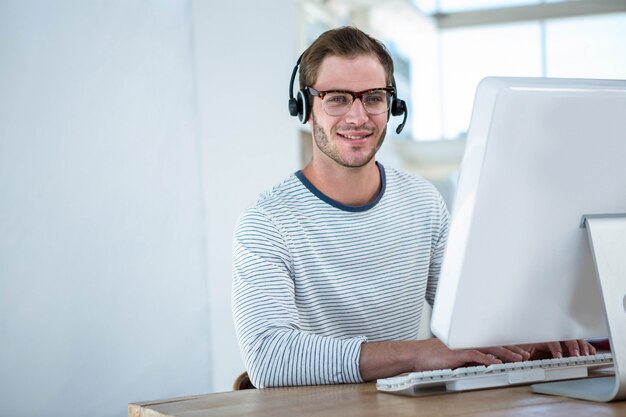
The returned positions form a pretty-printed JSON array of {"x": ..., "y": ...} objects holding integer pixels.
[
  {"x": 398, "y": 107},
  {"x": 304, "y": 110},
  {"x": 293, "y": 107}
]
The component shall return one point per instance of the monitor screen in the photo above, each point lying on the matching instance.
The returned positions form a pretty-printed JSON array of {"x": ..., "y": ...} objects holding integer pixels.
[{"x": 540, "y": 154}]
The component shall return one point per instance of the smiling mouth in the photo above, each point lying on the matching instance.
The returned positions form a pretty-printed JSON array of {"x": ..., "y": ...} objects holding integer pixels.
[{"x": 355, "y": 136}]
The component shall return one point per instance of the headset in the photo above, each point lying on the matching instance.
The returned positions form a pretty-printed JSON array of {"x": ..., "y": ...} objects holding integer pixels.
[{"x": 300, "y": 106}]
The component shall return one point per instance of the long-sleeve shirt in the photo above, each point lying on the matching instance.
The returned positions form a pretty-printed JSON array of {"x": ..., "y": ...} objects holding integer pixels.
[{"x": 313, "y": 278}]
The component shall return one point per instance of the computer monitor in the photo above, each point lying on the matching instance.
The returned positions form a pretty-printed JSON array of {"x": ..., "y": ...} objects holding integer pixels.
[{"x": 518, "y": 268}]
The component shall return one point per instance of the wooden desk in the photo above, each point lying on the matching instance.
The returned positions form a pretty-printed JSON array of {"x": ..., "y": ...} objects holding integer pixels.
[{"x": 364, "y": 400}]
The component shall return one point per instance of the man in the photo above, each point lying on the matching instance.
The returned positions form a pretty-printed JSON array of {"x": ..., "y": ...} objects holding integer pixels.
[{"x": 331, "y": 266}]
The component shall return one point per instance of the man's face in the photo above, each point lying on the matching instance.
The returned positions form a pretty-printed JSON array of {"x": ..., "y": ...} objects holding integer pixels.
[{"x": 350, "y": 140}]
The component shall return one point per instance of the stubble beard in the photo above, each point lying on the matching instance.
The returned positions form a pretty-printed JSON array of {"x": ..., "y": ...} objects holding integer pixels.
[{"x": 323, "y": 143}]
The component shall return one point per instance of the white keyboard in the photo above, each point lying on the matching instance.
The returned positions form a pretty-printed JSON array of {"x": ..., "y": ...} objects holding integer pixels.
[{"x": 478, "y": 377}]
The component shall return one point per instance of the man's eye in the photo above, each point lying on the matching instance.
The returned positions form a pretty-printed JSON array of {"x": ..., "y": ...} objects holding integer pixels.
[
  {"x": 337, "y": 99},
  {"x": 374, "y": 98}
]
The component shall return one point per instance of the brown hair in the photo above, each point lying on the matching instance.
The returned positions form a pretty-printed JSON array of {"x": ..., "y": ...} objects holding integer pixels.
[{"x": 345, "y": 42}]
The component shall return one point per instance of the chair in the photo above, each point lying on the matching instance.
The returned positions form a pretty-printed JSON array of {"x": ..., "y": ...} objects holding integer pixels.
[{"x": 242, "y": 382}]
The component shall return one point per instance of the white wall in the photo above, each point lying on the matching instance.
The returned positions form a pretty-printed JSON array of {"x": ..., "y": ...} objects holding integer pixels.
[
  {"x": 245, "y": 52},
  {"x": 131, "y": 136}
]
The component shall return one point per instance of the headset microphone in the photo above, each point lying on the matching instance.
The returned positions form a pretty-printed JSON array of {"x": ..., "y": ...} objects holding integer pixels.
[
  {"x": 401, "y": 125},
  {"x": 398, "y": 107},
  {"x": 405, "y": 112}
]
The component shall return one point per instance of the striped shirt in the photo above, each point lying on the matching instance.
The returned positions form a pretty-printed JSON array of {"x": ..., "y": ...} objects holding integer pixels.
[{"x": 313, "y": 279}]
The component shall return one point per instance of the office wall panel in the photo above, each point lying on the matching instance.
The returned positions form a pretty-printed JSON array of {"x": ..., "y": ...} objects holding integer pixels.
[
  {"x": 244, "y": 54},
  {"x": 103, "y": 272}
]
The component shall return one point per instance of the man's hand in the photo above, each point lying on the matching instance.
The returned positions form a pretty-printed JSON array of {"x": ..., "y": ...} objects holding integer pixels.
[
  {"x": 433, "y": 354},
  {"x": 559, "y": 349},
  {"x": 385, "y": 359}
]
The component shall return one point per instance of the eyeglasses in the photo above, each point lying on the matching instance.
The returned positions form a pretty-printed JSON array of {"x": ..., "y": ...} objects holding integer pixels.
[{"x": 339, "y": 102}]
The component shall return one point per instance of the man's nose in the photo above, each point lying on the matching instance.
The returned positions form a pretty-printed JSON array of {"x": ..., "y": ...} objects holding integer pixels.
[{"x": 357, "y": 113}]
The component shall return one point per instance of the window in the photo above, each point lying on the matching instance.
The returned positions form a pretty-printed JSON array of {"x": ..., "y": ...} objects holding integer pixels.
[
  {"x": 587, "y": 47},
  {"x": 577, "y": 47},
  {"x": 469, "y": 55}
]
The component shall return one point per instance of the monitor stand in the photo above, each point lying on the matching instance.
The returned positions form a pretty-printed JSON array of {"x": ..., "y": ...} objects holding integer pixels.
[{"x": 607, "y": 238}]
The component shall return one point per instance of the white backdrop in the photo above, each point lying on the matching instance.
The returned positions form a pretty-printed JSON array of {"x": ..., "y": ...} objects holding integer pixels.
[
  {"x": 131, "y": 136},
  {"x": 245, "y": 52}
]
